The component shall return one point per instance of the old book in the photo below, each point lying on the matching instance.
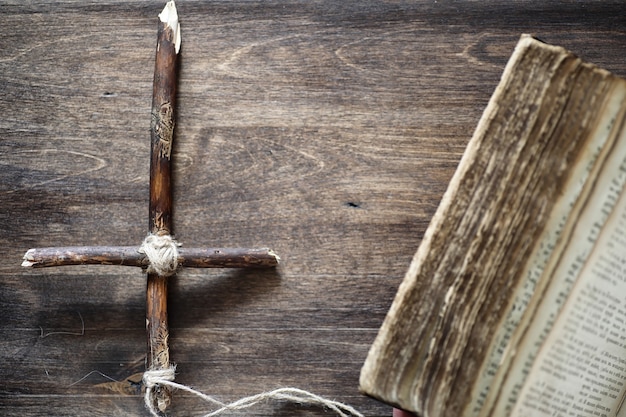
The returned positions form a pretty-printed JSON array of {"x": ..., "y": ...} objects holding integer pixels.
[{"x": 515, "y": 302}]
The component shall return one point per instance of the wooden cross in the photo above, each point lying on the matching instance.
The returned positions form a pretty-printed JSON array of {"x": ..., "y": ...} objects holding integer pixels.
[{"x": 159, "y": 254}]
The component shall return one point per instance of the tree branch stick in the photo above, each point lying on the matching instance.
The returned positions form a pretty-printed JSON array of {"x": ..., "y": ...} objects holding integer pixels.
[
  {"x": 130, "y": 256},
  {"x": 160, "y": 220}
]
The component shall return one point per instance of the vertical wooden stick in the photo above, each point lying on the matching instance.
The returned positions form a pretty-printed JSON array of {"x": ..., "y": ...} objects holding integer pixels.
[{"x": 160, "y": 223}]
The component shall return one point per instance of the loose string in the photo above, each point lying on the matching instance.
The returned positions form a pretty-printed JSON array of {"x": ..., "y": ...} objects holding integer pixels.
[
  {"x": 165, "y": 377},
  {"x": 162, "y": 252}
]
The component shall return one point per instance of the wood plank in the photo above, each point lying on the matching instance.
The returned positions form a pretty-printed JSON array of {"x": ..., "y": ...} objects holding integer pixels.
[{"x": 325, "y": 130}]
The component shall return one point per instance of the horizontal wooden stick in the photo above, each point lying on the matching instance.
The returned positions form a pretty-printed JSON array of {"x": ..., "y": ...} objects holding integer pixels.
[{"x": 130, "y": 256}]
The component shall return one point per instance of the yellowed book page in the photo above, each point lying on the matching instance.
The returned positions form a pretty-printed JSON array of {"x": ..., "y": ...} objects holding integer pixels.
[
  {"x": 555, "y": 265},
  {"x": 543, "y": 254},
  {"x": 580, "y": 369}
]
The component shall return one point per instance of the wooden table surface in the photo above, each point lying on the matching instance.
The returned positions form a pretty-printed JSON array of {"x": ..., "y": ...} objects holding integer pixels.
[{"x": 326, "y": 130}]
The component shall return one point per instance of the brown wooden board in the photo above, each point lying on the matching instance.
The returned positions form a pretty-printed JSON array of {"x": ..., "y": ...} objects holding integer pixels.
[{"x": 327, "y": 131}]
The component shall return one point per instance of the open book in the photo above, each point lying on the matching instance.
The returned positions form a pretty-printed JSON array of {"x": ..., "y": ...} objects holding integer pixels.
[{"x": 515, "y": 302}]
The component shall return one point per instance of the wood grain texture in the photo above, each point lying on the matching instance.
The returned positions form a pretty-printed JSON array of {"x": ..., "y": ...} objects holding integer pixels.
[{"x": 327, "y": 131}]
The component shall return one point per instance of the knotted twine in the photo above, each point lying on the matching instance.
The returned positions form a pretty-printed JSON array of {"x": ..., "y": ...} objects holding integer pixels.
[
  {"x": 165, "y": 377},
  {"x": 162, "y": 253}
]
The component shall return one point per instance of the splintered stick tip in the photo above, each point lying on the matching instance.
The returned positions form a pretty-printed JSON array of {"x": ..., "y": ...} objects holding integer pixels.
[
  {"x": 275, "y": 255},
  {"x": 169, "y": 16},
  {"x": 28, "y": 258}
]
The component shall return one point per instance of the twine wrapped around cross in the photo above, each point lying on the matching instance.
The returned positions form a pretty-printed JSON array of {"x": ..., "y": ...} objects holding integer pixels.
[{"x": 160, "y": 255}]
